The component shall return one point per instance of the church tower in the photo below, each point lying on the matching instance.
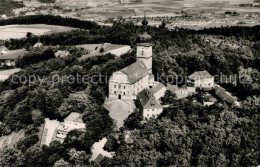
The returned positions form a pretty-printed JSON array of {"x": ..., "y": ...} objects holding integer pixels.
[{"x": 144, "y": 47}]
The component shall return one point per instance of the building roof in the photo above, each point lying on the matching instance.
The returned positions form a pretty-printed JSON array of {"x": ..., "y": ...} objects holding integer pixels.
[
  {"x": 12, "y": 54},
  {"x": 157, "y": 88},
  {"x": 74, "y": 117},
  {"x": 172, "y": 88},
  {"x": 144, "y": 44},
  {"x": 145, "y": 37},
  {"x": 184, "y": 87},
  {"x": 224, "y": 95},
  {"x": 147, "y": 100},
  {"x": 200, "y": 75},
  {"x": 135, "y": 71}
]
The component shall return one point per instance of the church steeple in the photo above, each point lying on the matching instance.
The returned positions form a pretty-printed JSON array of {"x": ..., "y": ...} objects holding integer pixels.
[
  {"x": 144, "y": 47},
  {"x": 145, "y": 37},
  {"x": 144, "y": 23}
]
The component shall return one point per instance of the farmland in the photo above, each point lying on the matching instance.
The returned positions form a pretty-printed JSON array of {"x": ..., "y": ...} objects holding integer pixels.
[{"x": 19, "y": 31}]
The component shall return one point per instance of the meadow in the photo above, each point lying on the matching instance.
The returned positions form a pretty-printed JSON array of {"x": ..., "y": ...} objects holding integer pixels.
[{"x": 20, "y": 31}]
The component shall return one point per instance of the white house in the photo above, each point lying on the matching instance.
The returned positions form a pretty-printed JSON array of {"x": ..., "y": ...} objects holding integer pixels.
[
  {"x": 72, "y": 122},
  {"x": 158, "y": 90},
  {"x": 148, "y": 104},
  {"x": 202, "y": 79},
  {"x": 61, "y": 53},
  {"x": 182, "y": 92}
]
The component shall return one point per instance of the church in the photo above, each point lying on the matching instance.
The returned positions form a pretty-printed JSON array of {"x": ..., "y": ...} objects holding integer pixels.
[{"x": 128, "y": 82}]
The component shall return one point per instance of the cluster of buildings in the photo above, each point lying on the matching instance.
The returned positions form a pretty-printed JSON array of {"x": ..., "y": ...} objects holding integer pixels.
[
  {"x": 136, "y": 82},
  {"x": 55, "y": 130},
  {"x": 71, "y": 122}
]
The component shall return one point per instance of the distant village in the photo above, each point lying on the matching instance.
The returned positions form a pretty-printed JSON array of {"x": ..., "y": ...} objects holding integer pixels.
[{"x": 178, "y": 19}]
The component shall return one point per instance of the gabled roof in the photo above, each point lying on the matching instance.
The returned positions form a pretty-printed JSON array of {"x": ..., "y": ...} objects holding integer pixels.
[
  {"x": 157, "y": 88},
  {"x": 172, "y": 88},
  {"x": 200, "y": 75},
  {"x": 12, "y": 55},
  {"x": 184, "y": 87},
  {"x": 74, "y": 117},
  {"x": 224, "y": 95},
  {"x": 135, "y": 71},
  {"x": 147, "y": 100}
]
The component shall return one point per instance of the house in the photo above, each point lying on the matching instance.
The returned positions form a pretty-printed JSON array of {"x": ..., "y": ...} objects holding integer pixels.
[
  {"x": 182, "y": 92},
  {"x": 72, "y": 122},
  {"x": 61, "y": 53},
  {"x": 7, "y": 58},
  {"x": 224, "y": 95},
  {"x": 7, "y": 73},
  {"x": 148, "y": 104},
  {"x": 158, "y": 90},
  {"x": 37, "y": 45},
  {"x": 202, "y": 80},
  {"x": 128, "y": 82}
]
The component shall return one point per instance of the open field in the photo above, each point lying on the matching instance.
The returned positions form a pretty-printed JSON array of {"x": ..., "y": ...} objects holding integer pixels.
[
  {"x": 94, "y": 49},
  {"x": 19, "y": 31},
  {"x": 11, "y": 140},
  {"x": 119, "y": 110},
  {"x": 158, "y": 8}
]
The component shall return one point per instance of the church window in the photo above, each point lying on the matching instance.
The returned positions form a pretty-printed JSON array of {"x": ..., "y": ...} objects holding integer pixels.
[
  {"x": 114, "y": 92},
  {"x": 119, "y": 86},
  {"x": 124, "y": 87},
  {"x": 124, "y": 93},
  {"x": 114, "y": 86}
]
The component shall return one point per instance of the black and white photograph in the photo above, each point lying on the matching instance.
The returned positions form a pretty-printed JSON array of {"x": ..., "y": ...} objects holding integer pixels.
[{"x": 129, "y": 83}]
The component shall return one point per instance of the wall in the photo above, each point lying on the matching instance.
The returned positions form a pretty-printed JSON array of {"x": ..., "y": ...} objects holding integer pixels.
[{"x": 149, "y": 113}]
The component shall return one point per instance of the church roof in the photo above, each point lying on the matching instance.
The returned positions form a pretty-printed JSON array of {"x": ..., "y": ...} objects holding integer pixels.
[
  {"x": 135, "y": 71},
  {"x": 200, "y": 75},
  {"x": 147, "y": 100},
  {"x": 145, "y": 37}
]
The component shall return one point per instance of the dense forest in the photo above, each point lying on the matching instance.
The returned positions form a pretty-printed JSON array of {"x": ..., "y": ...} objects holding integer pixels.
[
  {"x": 187, "y": 135},
  {"x": 49, "y": 19}
]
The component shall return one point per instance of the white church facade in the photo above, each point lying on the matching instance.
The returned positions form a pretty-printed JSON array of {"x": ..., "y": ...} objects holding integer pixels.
[{"x": 128, "y": 82}]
